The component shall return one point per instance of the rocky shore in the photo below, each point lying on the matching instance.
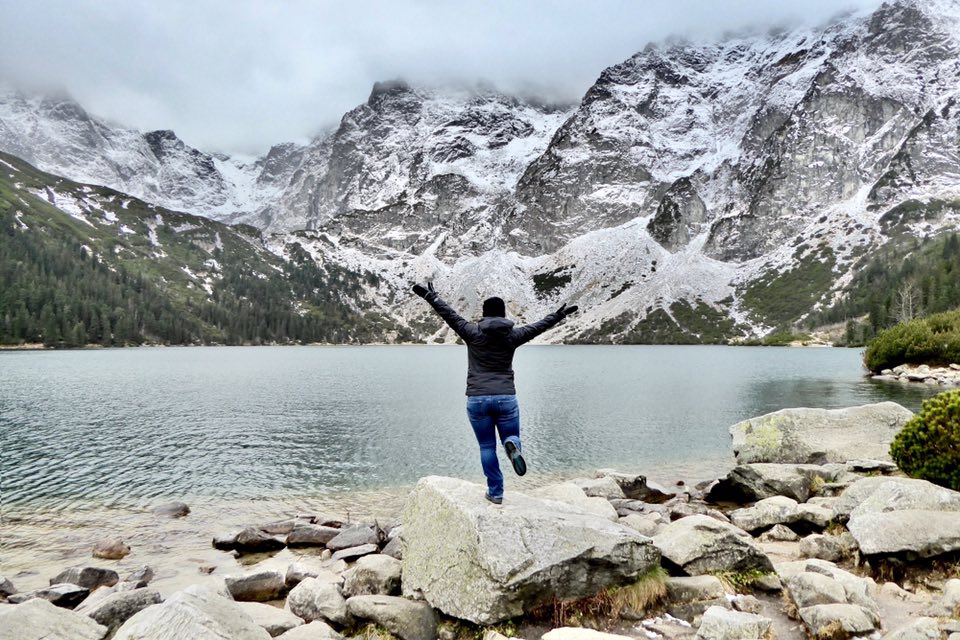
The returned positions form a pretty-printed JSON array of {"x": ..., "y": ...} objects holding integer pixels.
[
  {"x": 814, "y": 533},
  {"x": 948, "y": 376}
]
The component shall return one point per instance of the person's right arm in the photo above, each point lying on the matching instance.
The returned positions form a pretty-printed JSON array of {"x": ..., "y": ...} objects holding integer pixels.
[{"x": 466, "y": 330}]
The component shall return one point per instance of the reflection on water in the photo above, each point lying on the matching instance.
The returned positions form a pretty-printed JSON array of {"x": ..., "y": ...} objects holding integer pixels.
[{"x": 91, "y": 440}]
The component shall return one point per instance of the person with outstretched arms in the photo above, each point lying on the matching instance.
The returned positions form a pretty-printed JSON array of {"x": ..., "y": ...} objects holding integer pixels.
[{"x": 491, "y": 395}]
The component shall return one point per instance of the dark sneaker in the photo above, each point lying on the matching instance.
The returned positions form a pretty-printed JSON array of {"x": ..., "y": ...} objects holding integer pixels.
[
  {"x": 493, "y": 499},
  {"x": 515, "y": 458}
]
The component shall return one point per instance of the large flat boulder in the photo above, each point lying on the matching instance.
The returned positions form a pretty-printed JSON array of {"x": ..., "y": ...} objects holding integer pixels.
[
  {"x": 819, "y": 436},
  {"x": 39, "y": 619},
  {"x": 485, "y": 563},
  {"x": 574, "y": 495},
  {"x": 699, "y": 544},
  {"x": 901, "y": 516},
  {"x": 196, "y": 613}
]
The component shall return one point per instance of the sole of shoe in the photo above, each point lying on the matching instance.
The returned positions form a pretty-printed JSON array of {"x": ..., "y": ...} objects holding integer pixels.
[
  {"x": 516, "y": 459},
  {"x": 490, "y": 498}
]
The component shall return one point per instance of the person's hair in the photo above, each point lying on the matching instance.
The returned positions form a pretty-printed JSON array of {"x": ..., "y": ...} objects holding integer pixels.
[{"x": 494, "y": 307}]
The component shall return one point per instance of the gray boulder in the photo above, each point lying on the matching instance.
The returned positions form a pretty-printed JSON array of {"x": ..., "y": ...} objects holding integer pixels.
[
  {"x": 808, "y": 589},
  {"x": 573, "y": 495},
  {"x": 914, "y": 533},
  {"x": 637, "y": 487},
  {"x": 316, "y": 630},
  {"x": 311, "y": 535},
  {"x": 314, "y": 599},
  {"x": 760, "y": 480},
  {"x": 354, "y": 536},
  {"x": 252, "y": 540},
  {"x": 779, "y": 533},
  {"x": 700, "y": 544},
  {"x": 87, "y": 577},
  {"x": 373, "y": 575},
  {"x": 404, "y": 618},
  {"x": 352, "y": 553},
  {"x": 605, "y": 487},
  {"x": 647, "y": 524},
  {"x": 881, "y": 494},
  {"x": 305, "y": 568},
  {"x": 723, "y": 624},
  {"x": 694, "y": 588},
  {"x": 852, "y": 618},
  {"x": 259, "y": 586},
  {"x": 64, "y": 595},
  {"x": 196, "y": 613},
  {"x": 819, "y": 436},
  {"x": 486, "y": 563},
  {"x": 859, "y": 591},
  {"x": 275, "y": 620},
  {"x": 38, "y": 619},
  {"x": 139, "y": 577},
  {"x": 116, "y": 608},
  {"x": 6, "y": 588},
  {"x": 394, "y": 549},
  {"x": 765, "y": 514},
  {"x": 919, "y": 629},
  {"x": 828, "y": 547}
]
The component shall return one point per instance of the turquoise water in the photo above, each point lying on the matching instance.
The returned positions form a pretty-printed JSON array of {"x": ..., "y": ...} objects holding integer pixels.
[{"x": 126, "y": 428}]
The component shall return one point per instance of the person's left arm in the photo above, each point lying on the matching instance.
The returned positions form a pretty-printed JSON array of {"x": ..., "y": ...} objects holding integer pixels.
[{"x": 530, "y": 331}]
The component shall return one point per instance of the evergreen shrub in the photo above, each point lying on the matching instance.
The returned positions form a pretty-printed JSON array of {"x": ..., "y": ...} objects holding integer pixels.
[{"x": 928, "y": 446}]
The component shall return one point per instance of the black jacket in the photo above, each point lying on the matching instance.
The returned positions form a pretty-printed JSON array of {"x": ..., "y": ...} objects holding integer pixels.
[{"x": 490, "y": 346}]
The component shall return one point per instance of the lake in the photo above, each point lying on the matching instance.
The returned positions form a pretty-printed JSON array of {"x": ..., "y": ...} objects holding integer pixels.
[
  {"x": 92, "y": 440},
  {"x": 131, "y": 427}
]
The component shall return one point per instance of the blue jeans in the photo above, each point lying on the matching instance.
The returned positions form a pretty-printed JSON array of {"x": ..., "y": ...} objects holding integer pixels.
[{"x": 490, "y": 415}]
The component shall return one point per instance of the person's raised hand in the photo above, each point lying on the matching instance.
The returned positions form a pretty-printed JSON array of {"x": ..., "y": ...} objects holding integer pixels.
[
  {"x": 564, "y": 310},
  {"x": 422, "y": 291}
]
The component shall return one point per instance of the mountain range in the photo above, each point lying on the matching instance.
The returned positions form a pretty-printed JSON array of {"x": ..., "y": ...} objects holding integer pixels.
[{"x": 698, "y": 192}]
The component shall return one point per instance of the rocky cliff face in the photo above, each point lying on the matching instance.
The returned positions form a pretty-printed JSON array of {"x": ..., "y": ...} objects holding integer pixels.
[{"x": 693, "y": 184}]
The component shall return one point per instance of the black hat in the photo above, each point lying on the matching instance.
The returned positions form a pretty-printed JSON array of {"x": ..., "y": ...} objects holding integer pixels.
[{"x": 494, "y": 307}]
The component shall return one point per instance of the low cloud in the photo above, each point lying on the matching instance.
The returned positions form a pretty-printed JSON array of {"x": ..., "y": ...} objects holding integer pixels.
[{"x": 240, "y": 75}]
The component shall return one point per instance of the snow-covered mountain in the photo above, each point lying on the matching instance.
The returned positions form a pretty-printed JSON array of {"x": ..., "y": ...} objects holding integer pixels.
[{"x": 693, "y": 185}]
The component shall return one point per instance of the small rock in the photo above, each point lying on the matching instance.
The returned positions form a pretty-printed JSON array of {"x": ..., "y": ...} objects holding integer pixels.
[
  {"x": 394, "y": 549},
  {"x": 225, "y": 541},
  {"x": 852, "y": 618},
  {"x": 919, "y": 629},
  {"x": 172, "y": 510},
  {"x": 308, "y": 568},
  {"x": 827, "y": 547},
  {"x": 316, "y": 630},
  {"x": 87, "y": 577},
  {"x": 313, "y": 599},
  {"x": 64, "y": 595},
  {"x": 373, "y": 575},
  {"x": 38, "y": 619},
  {"x": 140, "y": 577},
  {"x": 769, "y": 582},
  {"x": 276, "y": 621},
  {"x": 779, "y": 533},
  {"x": 694, "y": 588},
  {"x": 311, "y": 535},
  {"x": 112, "y": 549},
  {"x": 282, "y": 527},
  {"x": 207, "y": 569},
  {"x": 404, "y": 618},
  {"x": 893, "y": 590},
  {"x": 747, "y": 604},
  {"x": 256, "y": 587},
  {"x": 6, "y": 588},
  {"x": 354, "y": 536},
  {"x": 722, "y": 624},
  {"x": 352, "y": 553},
  {"x": 637, "y": 487}
]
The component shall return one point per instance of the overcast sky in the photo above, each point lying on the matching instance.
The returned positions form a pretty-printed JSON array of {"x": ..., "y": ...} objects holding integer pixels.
[{"x": 240, "y": 75}]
